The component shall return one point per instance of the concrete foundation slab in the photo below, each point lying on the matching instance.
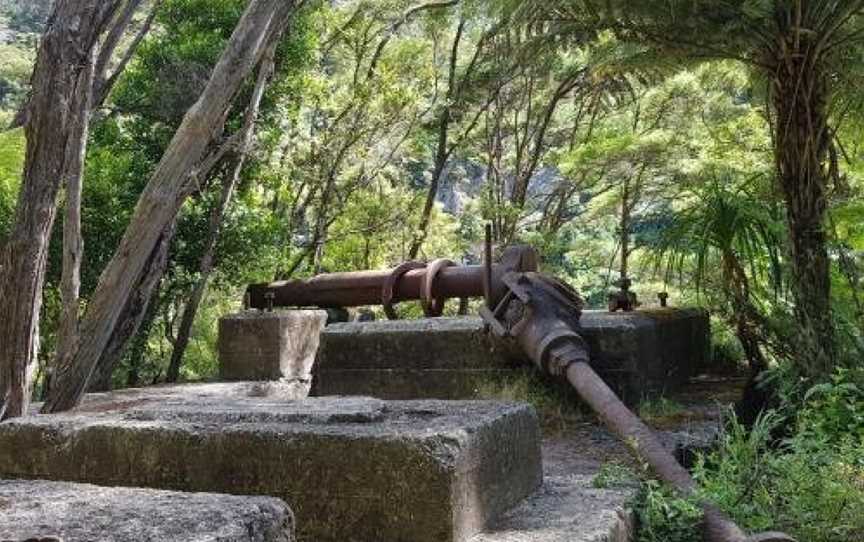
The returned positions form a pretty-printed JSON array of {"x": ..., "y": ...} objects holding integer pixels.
[
  {"x": 83, "y": 513},
  {"x": 568, "y": 507},
  {"x": 643, "y": 353},
  {"x": 278, "y": 345},
  {"x": 352, "y": 469}
]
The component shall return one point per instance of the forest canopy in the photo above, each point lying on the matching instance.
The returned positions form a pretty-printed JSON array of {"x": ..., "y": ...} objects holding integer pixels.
[
  {"x": 158, "y": 156},
  {"x": 394, "y": 130}
]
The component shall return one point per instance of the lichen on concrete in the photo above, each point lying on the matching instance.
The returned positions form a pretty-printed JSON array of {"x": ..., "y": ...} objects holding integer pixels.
[
  {"x": 84, "y": 513},
  {"x": 643, "y": 353},
  {"x": 350, "y": 468}
]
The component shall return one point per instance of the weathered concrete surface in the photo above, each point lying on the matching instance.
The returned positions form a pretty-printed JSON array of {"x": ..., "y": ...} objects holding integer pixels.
[
  {"x": 642, "y": 353},
  {"x": 278, "y": 345},
  {"x": 648, "y": 352},
  {"x": 568, "y": 508},
  {"x": 352, "y": 469},
  {"x": 83, "y": 513},
  {"x": 440, "y": 358}
]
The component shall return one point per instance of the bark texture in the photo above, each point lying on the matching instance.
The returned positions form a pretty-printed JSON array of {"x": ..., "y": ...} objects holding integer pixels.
[
  {"x": 55, "y": 129},
  {"x": 134, "y": 312},
  {"x": 800, "y": 92},
  {"x": 262, "y": 22},
  {"x": 217, "y": 217},
  {"x": 101, "y": 84}
]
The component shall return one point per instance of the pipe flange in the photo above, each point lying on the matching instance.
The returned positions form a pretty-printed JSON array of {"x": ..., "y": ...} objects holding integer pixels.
[
  {"x": 389, "y": 289},
  {"x": 433, "y": 306}
]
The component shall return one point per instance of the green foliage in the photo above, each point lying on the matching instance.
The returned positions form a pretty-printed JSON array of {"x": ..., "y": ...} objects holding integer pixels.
[
  {"x": 727, "y": 355},
  {"x": 15, "y": 66},
  {"x": 834, "y": 411},
  {"x": 11, "y": 165},
  {"x": 657, "y": 410},
  {"x": 613, "y": 475},
  {"x": 665, "y": 517},
  {"x": 810, "y": 485},
  {"x": 26, "y": 16},
  {"x": 723, "y": 228}
]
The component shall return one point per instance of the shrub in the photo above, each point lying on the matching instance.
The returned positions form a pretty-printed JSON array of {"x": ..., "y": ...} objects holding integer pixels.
[
  {"x": 810, "y": 485},
  {"x": 666, "y": 517}
]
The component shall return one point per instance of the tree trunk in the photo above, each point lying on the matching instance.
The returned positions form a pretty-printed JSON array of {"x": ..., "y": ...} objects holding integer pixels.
[
  {"x": 535, "y": 147},
  {"x": 261, "y": 24},
  {"x": 442, "y": 154},
  {"x": 73, "y": 240},
  {"x": 217, "y": 217},
  {"x": 134, "y": 313},
  {"x": 802, "y": 137},
  {"x": 55, "y": 128}
]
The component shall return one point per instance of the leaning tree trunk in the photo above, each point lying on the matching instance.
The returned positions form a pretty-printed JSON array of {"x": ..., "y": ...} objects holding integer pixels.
[
  {"x": 217, "y": 217},
  {"x": 261, "y": 24},
  {"x": 57, "y": 115},
  {"x": 136, "y": 310},
  {"x": 800, "y": 92}
]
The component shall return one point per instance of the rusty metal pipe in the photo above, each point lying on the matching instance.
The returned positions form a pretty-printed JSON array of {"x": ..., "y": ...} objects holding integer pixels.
[
  {"x": 646, "y": 447},
  {"x": 542, "y": 315},
  {"x": 364, "y": 288},
  {"x": 717, "y": 527},
  {"x": 539, "y": 312},
  {"x": 361, "y": 288}
]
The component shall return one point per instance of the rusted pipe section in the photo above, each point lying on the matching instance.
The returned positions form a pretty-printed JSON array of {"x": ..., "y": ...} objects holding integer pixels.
[
  {"x": 542, "y": 315},
  {"x": 431, "y": 283}
]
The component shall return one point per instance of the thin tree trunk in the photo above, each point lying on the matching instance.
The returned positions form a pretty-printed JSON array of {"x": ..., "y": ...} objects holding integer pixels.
[
  {"x": 442, "y": 154},
  {"x": 105, "y": 81},
  {"x": 217, "y": 217},
  {"x": 522, "y": 182},
  {"x": 802, "y": 138},
  {"x": 57, "y": 115},
  {"x": 262, "y": 23},
  {"x": 73, "y": 240},
  {"x": 73, "y": 244},
  {"x": 625, "y": 229}
]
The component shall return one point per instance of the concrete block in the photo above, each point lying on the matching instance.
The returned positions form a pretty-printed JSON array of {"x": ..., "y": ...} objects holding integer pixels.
[
  {"x": 352, "y": 469},
  {"x": 648, "y": 352},
  {"x": 440, "y": 358},
  {"x": 567, "y": 509},
  {"x": 643, "y": 353},
  {"x": 83, "y": 513},
  {"x": 256, "y": 345}
]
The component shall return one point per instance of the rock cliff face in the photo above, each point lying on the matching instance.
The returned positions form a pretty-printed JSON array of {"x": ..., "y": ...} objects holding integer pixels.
[
  {"x": 463, "y": 181},
  {"x": 24, "y": 16},
  {"x": 21, "y": 22}
]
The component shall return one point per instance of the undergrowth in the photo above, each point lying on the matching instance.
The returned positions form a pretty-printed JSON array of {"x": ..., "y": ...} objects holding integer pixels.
[
  {"x": 556, "y": 403},
  {"x": 809, "y": 484}
]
